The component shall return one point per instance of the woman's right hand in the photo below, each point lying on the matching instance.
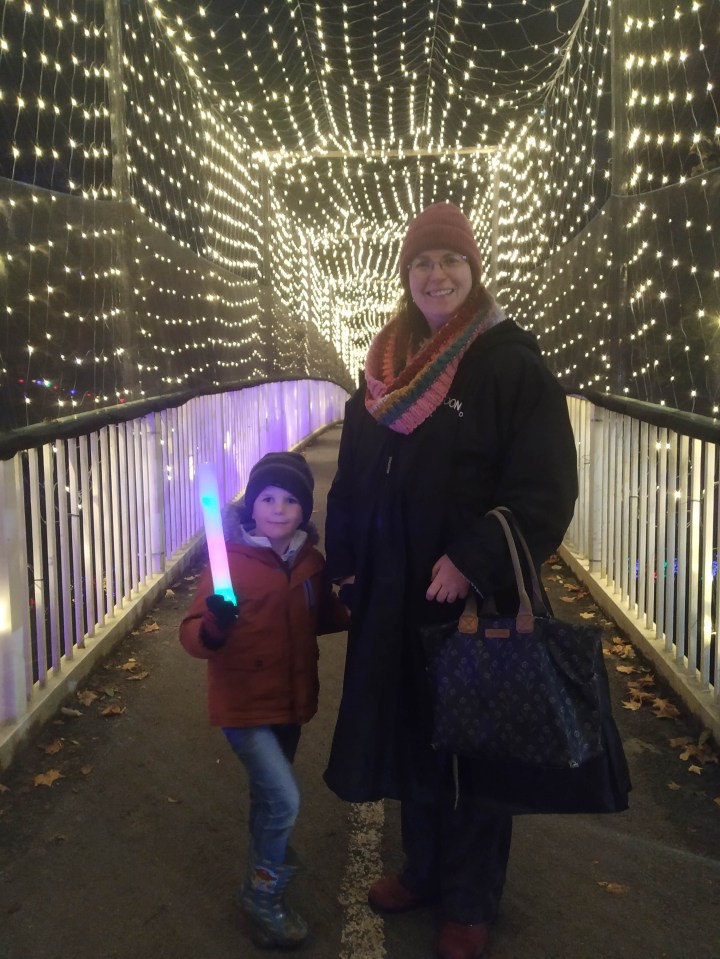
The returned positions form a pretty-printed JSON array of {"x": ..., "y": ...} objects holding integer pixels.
[
  {"x": 346, "y": 591},
  {"x": 448, "y": 583}
]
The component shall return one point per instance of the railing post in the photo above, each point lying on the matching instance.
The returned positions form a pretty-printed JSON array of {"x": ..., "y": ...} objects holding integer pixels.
[
  {"x": 595, "y": 458},
  {"x": 14, "y": 622},
  {"x": 156, "y": 498}
]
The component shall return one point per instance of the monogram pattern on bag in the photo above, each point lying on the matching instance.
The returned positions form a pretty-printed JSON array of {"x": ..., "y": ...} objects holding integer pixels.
[{"x": 531, "y": 697}]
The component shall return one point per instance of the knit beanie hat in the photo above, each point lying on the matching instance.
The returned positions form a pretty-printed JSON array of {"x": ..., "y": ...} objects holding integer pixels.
[
  {"x": 289, "y": 471},
  {"x": 439, "y": 226}
]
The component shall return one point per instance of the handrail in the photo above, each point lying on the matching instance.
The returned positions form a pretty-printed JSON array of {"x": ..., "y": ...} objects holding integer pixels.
[
  {"x": 690, "y": 424},
  {"x": 80, "y": 424}
]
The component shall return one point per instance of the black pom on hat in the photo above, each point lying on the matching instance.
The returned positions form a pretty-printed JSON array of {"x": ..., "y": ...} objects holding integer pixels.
[{"x": 286, "y": 470}]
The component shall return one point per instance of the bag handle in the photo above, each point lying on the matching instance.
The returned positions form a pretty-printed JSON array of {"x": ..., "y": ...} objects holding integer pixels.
[
  {"x": 525, "y": 619},
  {"x": 538, "y": 601}
]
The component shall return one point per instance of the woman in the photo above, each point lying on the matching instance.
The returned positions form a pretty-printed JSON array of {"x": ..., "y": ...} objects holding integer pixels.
[{"x": 459, "y": 414}]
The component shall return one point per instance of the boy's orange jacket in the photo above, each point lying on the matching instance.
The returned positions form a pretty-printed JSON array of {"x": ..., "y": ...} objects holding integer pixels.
[{"x": 267, "y": 671}]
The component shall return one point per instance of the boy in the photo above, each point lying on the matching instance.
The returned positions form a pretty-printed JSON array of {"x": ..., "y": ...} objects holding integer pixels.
[{"x": 262, "y": 667}]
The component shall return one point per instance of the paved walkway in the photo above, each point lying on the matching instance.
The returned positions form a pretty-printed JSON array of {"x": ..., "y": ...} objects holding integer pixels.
[{"x": 137, "y": 850}]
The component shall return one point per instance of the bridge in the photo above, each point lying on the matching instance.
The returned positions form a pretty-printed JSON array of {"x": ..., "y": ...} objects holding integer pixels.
[{"x": 201, "y": 210}]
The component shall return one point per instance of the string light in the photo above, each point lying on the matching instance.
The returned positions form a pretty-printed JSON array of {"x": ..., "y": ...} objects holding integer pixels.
[{"x": 253, "y": 206}]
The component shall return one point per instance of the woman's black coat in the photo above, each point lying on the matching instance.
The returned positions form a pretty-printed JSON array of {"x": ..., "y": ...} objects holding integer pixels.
[{"x": 502, "y": 437}]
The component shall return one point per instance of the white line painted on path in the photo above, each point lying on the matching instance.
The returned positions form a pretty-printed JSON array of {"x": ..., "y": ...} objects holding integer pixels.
[{"x": 362, "y": 932}]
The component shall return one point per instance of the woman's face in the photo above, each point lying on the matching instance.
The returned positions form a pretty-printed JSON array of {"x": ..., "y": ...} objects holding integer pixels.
[{"x": 440, "y": 281}]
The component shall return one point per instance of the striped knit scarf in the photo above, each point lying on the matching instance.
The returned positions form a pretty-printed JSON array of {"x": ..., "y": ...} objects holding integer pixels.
[{"x": 405, "y": 401}]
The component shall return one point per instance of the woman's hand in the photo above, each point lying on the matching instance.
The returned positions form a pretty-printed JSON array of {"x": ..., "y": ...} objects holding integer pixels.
[
  {"x": 347, "y": 592},
  {"x": 448, "y": 583}
]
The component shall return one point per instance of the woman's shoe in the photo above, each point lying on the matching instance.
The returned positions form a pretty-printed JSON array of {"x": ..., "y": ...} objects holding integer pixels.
[
  {"x": 388, "y": 894},
  {"x": 463, "y": 942}
]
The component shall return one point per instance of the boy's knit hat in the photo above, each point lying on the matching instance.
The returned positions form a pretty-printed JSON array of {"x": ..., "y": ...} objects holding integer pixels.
[
  {"x": 287, "y": 470},
  {"x": 439, "y": 226}
]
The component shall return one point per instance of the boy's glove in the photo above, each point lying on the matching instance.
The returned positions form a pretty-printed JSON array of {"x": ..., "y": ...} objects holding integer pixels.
[{"x": 217, "y": 621}]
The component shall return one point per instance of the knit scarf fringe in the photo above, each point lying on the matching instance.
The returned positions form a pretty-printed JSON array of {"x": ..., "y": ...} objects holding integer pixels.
[{"x": 405, "y": 401}]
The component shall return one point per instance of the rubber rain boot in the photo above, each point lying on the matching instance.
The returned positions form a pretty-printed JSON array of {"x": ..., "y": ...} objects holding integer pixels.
[{"x": 274, "y": 925}]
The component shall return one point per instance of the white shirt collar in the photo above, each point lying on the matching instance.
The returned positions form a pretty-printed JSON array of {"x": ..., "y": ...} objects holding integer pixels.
[{"x": 296, "y": 543}]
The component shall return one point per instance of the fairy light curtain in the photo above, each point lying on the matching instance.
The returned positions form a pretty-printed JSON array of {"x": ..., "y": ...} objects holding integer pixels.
[
  {"x": 203, "y": 194},
  {"x": 610, "y": 199}
]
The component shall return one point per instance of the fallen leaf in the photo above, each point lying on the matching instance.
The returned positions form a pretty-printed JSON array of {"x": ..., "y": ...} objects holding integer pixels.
[
  {"x": 86, "y": 770},
  {"x": 680, "y": 741},
  {"x": 87, "y": 696},
  {"x": 113, "y": 710},
  {"x": 618, "y": 647},
  {"x": 695, "y": 769},
  {"x": 48, "y": 778},
  {"x": 640, "y": 695},
  {"x": 175, "y": 802},
  {"x": 633, "y": 704},
  {"x": 150, "y": 628},
  {"x": 567, "y": 599},
  {"x": 575, "y": 587},
  {"x": 674, "y": 786},
  {"x": 139, "y": 676},
  {"x": 587, "y": 615},
  {"x": 4, "y": 789},
  {"x": 664, "y": 709},
  {"x": 647, "y": 679},
  {"x": 703, "y": 750},
  {"x": 66, "y": 711},
  {"x": 703, "y": 754},
  {"x": 52, "y": 748},
  {"x": 169, "y": 593},
  {"x": 616, "y": 888},
  {"x": 129, "y": 665},
  {"x": 627, "y": 669},
  {"x": 716, "y": 800},
  {"x": 109, "y": 691}
]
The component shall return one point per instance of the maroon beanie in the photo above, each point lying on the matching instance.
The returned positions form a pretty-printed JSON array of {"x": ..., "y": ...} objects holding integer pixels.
[{"x": 439, "y": 226}]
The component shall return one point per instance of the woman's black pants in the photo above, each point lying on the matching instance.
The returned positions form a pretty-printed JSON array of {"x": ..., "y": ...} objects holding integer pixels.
[{"x": 456, "y": 854}]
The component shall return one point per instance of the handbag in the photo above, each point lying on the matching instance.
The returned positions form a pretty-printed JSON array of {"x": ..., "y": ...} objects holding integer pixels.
[{"x": 523, "y": 703}]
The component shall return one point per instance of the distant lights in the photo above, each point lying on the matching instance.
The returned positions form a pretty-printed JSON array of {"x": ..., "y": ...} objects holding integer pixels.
[{"x": 310, "y": 169}]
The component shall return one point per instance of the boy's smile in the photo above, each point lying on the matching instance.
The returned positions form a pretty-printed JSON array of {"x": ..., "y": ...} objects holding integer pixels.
[{"x": 277, "y": 515}]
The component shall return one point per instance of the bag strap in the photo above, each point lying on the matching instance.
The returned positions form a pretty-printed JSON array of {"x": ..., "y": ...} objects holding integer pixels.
[
  {"x": 539, "y": 605},
  {"x": 525, "y": 619}
]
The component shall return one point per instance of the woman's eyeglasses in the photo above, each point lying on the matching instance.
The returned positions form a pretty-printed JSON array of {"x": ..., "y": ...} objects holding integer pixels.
[{"x": 423, "y": 266}]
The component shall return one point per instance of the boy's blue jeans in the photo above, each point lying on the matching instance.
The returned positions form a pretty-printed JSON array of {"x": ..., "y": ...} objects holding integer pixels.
[{"x": 267, "y": 752}]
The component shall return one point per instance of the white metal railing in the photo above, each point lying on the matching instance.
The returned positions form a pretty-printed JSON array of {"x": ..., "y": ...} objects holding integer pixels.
[
  {"x": 645, "y": 537},
  {"x": 93, "y": 528}
]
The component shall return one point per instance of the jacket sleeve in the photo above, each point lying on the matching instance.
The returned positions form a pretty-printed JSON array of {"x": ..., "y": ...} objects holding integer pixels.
[
  {"x": 536, "y": 473},
  {"x": 339, "y": 538},
  {"x": 191, "y": 625}
]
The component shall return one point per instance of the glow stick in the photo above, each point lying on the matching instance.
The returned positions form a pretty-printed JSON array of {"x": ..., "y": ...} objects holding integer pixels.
[{"x": 217, "y": 552}]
